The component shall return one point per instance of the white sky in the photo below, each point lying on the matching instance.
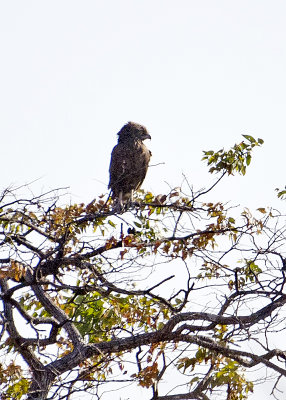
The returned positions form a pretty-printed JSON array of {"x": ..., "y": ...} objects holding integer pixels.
[{"x": 198, "y": 74}]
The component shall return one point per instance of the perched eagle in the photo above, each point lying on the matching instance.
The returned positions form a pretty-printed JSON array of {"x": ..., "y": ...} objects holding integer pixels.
[{"x": 129, "y": 162}]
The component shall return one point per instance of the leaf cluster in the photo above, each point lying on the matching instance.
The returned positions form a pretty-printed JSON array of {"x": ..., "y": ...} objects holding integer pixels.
[{"x": 237, "y": 159}]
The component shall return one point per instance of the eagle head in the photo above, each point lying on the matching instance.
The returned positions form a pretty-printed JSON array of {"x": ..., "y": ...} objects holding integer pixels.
[{"x": 133, "y": 131}]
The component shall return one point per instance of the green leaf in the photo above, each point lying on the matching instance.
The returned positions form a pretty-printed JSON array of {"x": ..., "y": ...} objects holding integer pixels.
[
  {"x": 249, "y": 138},
  {"x": 148, "y": 197},
  {"x": 111, "y": 223},
  {"x": 281, "y": 193},
  {"x": 248, "y": 159}
]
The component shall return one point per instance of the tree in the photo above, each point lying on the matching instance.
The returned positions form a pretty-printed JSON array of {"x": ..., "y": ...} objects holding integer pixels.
[{"x": 177, "y": 294}]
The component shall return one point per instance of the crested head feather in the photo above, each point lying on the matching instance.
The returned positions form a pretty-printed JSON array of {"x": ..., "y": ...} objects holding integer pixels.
[{"x": 133, "y": 131}]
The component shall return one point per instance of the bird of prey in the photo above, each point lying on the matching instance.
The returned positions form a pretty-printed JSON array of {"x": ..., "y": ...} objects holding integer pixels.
[{"x": 129, "y": 162}]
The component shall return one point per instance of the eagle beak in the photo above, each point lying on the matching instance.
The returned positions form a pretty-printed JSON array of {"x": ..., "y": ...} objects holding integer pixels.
[{"x": 146, "y": 136}]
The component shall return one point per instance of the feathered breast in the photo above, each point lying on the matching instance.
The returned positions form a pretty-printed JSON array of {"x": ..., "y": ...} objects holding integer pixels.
[{"x": 128, "y": 167}]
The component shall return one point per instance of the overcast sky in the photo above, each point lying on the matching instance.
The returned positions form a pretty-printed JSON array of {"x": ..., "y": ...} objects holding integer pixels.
[{"x": 197, "y": 74}]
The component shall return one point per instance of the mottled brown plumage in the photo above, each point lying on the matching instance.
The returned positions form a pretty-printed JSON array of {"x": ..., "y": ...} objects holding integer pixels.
[{"x": 129, "y": 161}]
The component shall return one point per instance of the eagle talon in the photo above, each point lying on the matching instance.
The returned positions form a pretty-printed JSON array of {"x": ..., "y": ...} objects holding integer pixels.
[
  {"x": 133, "y": 204},
  {"x": 118, "y": 207}
]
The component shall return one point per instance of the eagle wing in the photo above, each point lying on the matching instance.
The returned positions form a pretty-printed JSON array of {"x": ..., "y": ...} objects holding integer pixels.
[{"x": 128, "y": 168}]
